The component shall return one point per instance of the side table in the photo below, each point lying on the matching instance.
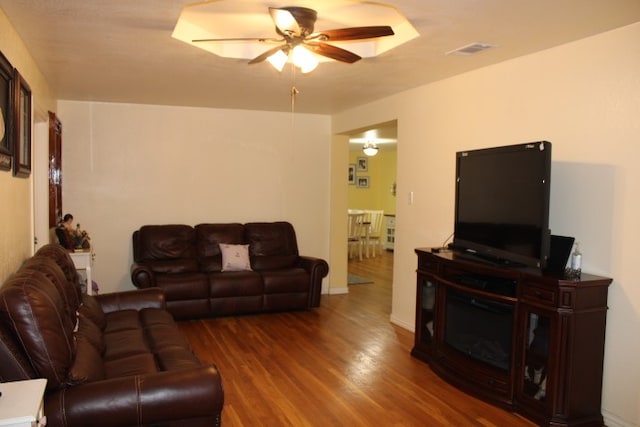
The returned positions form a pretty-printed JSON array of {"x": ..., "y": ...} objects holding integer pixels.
[
  {"x": 83, "y": 259},
  {"x": 21, "y": 403}
]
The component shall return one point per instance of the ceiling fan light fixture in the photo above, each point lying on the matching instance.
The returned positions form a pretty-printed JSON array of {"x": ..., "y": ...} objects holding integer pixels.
[
  {"x": 370, "y": 149},
  {"x": 209, "y": 24},
  {"x": 303, "y": 59},
  {"x": 278, "y": 60}
]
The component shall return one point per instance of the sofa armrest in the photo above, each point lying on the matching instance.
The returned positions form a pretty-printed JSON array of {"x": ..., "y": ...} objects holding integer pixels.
[
  {"x": 142, "y": 276},
  {"x": 132, "y": 300},
  {"x": 318, "y": 270},
  {"x": 159, "y": 398}
]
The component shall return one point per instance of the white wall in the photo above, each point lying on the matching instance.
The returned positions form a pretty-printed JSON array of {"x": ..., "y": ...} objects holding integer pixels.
[
  {"x": 128, "y": 165},
  {"x": 585, "y": 98}
]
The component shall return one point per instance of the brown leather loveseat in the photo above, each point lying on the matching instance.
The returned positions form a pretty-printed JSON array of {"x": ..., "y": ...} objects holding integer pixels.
[
  {"x": 187, "y": 264},
  {"x": 109, "y": 360}
]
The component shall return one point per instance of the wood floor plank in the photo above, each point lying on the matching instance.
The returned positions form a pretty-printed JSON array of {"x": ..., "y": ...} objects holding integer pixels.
[{"x": 343, "y": 364}]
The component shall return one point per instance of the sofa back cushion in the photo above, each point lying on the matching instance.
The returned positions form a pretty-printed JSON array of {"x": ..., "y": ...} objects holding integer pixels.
[
  {"x": 272, "y": 245},
  {"x": 68, "y": 291},
  {"x": 61, "y": 257},
  {"x": 92, "y": 310},
  {"x": 31, "y": 304},
  {"x": 166, "y": 248},
  {"x": 87, "y": 364},
  {"x": 209, "y": 238}
]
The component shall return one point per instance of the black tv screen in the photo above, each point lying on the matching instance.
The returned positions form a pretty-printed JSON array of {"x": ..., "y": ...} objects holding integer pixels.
[{"x": 502, "y": 203}]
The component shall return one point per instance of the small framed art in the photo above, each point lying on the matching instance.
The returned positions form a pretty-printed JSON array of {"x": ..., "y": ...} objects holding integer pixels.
[
  {"x": 22, "y": 108},
  {"x": 362, "y": 164},
  {"x": 352, "y": 173},
  {"x": 6, "y": 113},
  {"x": 363, "y": 181}
]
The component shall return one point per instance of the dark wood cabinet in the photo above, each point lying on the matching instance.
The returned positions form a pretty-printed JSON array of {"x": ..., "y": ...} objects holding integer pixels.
[{"x": 528, "y": 341}]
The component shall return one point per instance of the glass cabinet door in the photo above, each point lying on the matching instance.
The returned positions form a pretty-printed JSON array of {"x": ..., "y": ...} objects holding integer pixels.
[
  {"x": 535, "y": 383},
  {"x": 427, "y": 304}
]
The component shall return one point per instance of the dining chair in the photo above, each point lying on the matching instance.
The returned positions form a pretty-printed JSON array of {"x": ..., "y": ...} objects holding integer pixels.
[
  {"x": 356, "y": 233},
  {"x": 374, "y": 236}
]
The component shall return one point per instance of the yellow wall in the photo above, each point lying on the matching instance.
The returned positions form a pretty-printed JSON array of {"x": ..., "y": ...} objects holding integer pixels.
[
  {"x": 382, "y": 175},
  {"x": 584, "y": 98},
  {"x": 15, "y": 193}
]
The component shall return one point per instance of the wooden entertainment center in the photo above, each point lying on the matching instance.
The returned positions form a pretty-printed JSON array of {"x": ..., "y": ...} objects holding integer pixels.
[{"x": 530, "y": 342}]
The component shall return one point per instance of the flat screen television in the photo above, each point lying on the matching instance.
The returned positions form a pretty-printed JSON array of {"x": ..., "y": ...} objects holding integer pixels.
[{"x": 502, "y": 203}]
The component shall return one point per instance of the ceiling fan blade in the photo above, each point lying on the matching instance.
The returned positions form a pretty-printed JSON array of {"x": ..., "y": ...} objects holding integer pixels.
[
  {"x": 266, "y": 54},
  {"x": 285, "y": 22},
  {"x": 333, "y": 52},
  {"x": 355, "y": 33},
  {"x": 241, "y": 39}
]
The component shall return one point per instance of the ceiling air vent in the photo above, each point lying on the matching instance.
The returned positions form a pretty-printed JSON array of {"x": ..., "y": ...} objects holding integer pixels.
[{"x": 470, "y": 49}]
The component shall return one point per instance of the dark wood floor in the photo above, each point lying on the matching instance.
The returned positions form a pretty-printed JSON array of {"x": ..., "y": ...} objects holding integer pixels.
[{"x": 343, "y": 364}]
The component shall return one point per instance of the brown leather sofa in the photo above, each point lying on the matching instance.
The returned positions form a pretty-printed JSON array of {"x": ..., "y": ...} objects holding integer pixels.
[
  {"x": 110, "y": 360},
  {"x": 187, "y": 264}
]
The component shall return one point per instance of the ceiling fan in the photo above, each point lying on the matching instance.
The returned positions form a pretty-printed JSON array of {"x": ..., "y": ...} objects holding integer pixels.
[{"x": 295, "y": 26}]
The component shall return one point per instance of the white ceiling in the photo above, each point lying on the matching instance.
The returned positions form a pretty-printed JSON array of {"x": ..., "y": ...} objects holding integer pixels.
[{"x": 122, "y": 51}]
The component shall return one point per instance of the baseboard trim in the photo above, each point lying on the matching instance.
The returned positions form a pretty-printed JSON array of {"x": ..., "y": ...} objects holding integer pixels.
[
  {"x": 610, "y": 420},
  {"x": 404, "y": 325}
]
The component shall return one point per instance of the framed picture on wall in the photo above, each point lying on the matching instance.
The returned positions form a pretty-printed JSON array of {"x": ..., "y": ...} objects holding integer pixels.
[
  {"x": 6, "y": 113},
  {"x": 22, "y": 108},
  {"x": 352, "y": 173},
  {"x": 362, "y": 164},
  {"x": 363, "y": 181}
]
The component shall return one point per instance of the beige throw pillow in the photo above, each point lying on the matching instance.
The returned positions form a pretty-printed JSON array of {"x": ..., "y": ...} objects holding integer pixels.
[{"x": 235, "y": 257}]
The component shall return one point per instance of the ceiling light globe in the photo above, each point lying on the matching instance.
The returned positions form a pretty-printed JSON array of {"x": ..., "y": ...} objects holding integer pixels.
[
  {"x": 370, "y": 149},
  {"x": 278, "y": 60},
  {"x": 304, "y": 59}
]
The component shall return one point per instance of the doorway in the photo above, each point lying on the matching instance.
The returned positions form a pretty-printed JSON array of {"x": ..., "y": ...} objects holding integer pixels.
[
  {"x": 47, "y": 129},
  {"x": 371, "y": 188}
]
